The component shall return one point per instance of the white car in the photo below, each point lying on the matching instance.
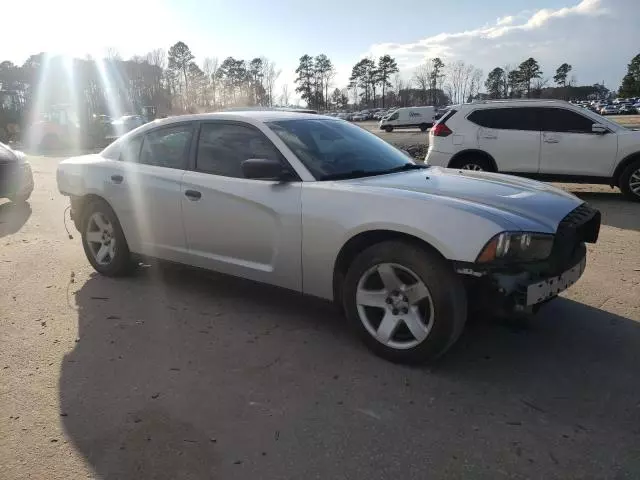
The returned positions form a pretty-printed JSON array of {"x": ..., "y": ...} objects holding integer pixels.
[
  {"x": 544, "y": 139},
  {"x": 16, "y": 178},
  {"x": 325, "y": 208}
]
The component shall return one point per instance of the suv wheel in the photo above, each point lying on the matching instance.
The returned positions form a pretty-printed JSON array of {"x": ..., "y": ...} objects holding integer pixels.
[
  {"x": 472, "y": 162},
  {"x": 630, "y": 181},
  {"x": 103, "y": 240},
  {"x": 407, "y": 303}
]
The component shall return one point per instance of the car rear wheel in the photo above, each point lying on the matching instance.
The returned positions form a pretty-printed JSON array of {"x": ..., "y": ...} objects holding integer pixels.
[
  {"x": 103, "y": 240},
  {"x": 472, "y": 162},
  {"x": 630, "y": 181},
  {"x": 424, "y": 127},
  {"x": 406, "y": 302}
]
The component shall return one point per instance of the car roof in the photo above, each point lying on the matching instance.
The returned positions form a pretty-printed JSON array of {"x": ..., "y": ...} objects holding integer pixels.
[{"x": 513, "y": 103}]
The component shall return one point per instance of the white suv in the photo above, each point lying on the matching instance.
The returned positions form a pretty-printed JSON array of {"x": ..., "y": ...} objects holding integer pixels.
[{"x": 545, "y": 139}]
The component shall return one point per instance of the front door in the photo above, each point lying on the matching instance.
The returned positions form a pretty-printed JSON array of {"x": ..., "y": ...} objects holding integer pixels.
[
  {"x": 569, "y": 147},
  {"x": 144, "y": 188},
  {"x": 239, "y": 226}
]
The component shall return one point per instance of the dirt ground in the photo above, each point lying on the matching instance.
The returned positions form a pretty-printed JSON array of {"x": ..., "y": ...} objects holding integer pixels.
[{"x": 179, "y": 374}]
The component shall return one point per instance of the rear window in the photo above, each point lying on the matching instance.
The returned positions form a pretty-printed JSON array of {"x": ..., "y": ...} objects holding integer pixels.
[
  {"x": 447, "y": 115},
  {"x": 516, "y": 118}
]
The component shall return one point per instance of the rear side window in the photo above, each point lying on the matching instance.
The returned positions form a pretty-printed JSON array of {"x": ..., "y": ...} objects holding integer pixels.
[
  {"x": 507, "y": 118},
  {"x": 167, "y": 147},
  {"x": 447, "y": 115},
  {"x": 565, "y": 121}
]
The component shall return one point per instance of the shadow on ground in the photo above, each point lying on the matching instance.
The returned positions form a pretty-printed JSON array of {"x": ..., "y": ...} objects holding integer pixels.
[
  {"x": 13, "y": 216},
  {"x": 616, "y": 210},
  {"x": 181, "y": 374}
]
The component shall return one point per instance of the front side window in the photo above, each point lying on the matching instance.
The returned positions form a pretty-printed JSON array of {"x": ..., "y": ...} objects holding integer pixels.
[
  {"x": 515, "y": 118},
  {"x": 394, "y": 116},
  {"x": 332, "y": 149},
  {"x": 565, "y": 121},
  {"x": 167, "y": 147},
  {"x": 224, "y": 146}
]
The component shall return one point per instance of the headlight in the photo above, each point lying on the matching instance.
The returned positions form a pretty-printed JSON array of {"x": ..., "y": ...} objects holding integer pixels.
[{"x": 517, "y": 247}]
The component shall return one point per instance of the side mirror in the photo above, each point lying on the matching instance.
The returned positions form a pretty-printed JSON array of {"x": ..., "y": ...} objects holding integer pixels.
[
  {"x": 265, "y": 169},
  {"x": 597, "y": 128}
]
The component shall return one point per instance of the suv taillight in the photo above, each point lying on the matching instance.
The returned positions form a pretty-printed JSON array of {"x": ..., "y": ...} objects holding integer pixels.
[{"x": 441, "y": 130}]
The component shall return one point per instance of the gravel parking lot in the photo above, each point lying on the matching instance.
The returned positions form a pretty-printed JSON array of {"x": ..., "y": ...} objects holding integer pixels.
[{"x": 181, "y": 374}]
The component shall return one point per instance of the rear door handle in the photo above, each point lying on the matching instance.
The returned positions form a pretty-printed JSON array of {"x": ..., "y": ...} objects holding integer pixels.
[
  {"x": 490, "y": 137},
  {"x": 117, "y": 178},
  {"x": 193, "y": 195},
  {"x": 551, "y": 140}
]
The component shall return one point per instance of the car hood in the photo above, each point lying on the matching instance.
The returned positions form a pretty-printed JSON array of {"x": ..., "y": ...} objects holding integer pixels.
[{"x": 526, "y": 203}]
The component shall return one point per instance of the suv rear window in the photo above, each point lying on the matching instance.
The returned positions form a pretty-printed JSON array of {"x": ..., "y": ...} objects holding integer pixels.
[{"x": 516, "y": 118}]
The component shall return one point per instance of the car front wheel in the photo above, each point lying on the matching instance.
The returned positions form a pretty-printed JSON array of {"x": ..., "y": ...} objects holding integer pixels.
[
  {"x": 630, "y": 181},
  {"x": 406, "y": 302},
  {"x": 103, "y": 240}
]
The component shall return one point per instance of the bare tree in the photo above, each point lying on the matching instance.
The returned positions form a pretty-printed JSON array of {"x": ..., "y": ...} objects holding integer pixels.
[
  {"x": 476, "y": 81},
  {"x": 157, "y": 58},
  {"x": 284, "y": 95},
  {"x": 270, "y": 77},
  {"x": 422, "y": 77},
  {"x": 210, "y": 68},
  {"x": 112, "y": 53}
]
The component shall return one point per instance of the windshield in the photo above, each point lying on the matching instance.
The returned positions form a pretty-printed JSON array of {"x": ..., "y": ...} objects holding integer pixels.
[{"x": 332, "y": 149}]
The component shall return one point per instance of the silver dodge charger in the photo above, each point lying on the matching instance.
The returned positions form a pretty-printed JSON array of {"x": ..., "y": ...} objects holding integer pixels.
[{"x": 320, "y": 206}]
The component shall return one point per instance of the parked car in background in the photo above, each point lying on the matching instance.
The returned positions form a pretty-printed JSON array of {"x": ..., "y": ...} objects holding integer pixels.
[
  {"x": 16, "y": 178},
  {"x": 626, "y": 109},
  {"x": 409, "y": 117},
  {"x": 609, "y": 110},
  {"x": 545, "y": 139},
  {"x": 325, "y": 208}
]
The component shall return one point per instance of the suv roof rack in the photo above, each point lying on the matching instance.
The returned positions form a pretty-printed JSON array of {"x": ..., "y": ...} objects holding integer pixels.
[{"x": 518, "y": 100}]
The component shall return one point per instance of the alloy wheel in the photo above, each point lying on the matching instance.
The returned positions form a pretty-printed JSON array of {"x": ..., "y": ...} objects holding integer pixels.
[
  {"x": 100, "y": 238},
  {"x": 394, "y": 305},
  {"x": 634, "y": 182},
  {"x": 472, "y": 166}
]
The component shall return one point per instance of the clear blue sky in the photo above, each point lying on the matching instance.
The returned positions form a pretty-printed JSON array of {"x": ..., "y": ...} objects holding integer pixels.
[{"x": 597, "y": 37}]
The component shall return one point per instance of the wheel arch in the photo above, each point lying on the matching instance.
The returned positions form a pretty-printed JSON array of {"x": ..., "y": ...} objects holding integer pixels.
[
  {"x": 473, "y": 152},
  {"x": 363, "y": 240},
  {"x": 78, "y": 205},
  {"x": 622, "y": 165}
]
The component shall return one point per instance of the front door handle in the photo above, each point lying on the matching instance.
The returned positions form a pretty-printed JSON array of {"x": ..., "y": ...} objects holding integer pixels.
[
  {"x": 117, "y": 178},
  {"x": 193, "y": 195},
  {"x": 551, "y": 140}
]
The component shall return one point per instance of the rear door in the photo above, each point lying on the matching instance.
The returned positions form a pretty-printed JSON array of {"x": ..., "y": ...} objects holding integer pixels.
[
  {"x": 236, "y": 225},
  {"x": 511, "y": 135},
  {"x": 144, "y": 190},
  {"x": 569, "y": 147}
]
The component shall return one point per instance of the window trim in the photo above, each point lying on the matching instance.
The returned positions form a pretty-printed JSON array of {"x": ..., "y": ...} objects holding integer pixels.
[
  {"x": 193, "y": 164},
  {"x": 189, "y": 152}
]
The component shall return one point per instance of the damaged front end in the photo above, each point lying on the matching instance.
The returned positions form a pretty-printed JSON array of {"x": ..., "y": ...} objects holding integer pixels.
[{"x": 520, "y": 283}]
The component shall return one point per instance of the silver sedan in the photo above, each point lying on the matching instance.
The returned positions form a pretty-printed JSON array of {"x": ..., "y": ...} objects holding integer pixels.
[{"x": 320, "y": 206}]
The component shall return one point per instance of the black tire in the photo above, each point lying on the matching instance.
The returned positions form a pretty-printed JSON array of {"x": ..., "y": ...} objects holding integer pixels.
[
  {"x": 388, "y": 129},
  {"x": 626, "y": 178},
  {"x": 424, "y": 127},
  {"x": 447, "y": 294},
  {"x": 121, "y": 264},
  {"x": 465, "y": 162}
]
